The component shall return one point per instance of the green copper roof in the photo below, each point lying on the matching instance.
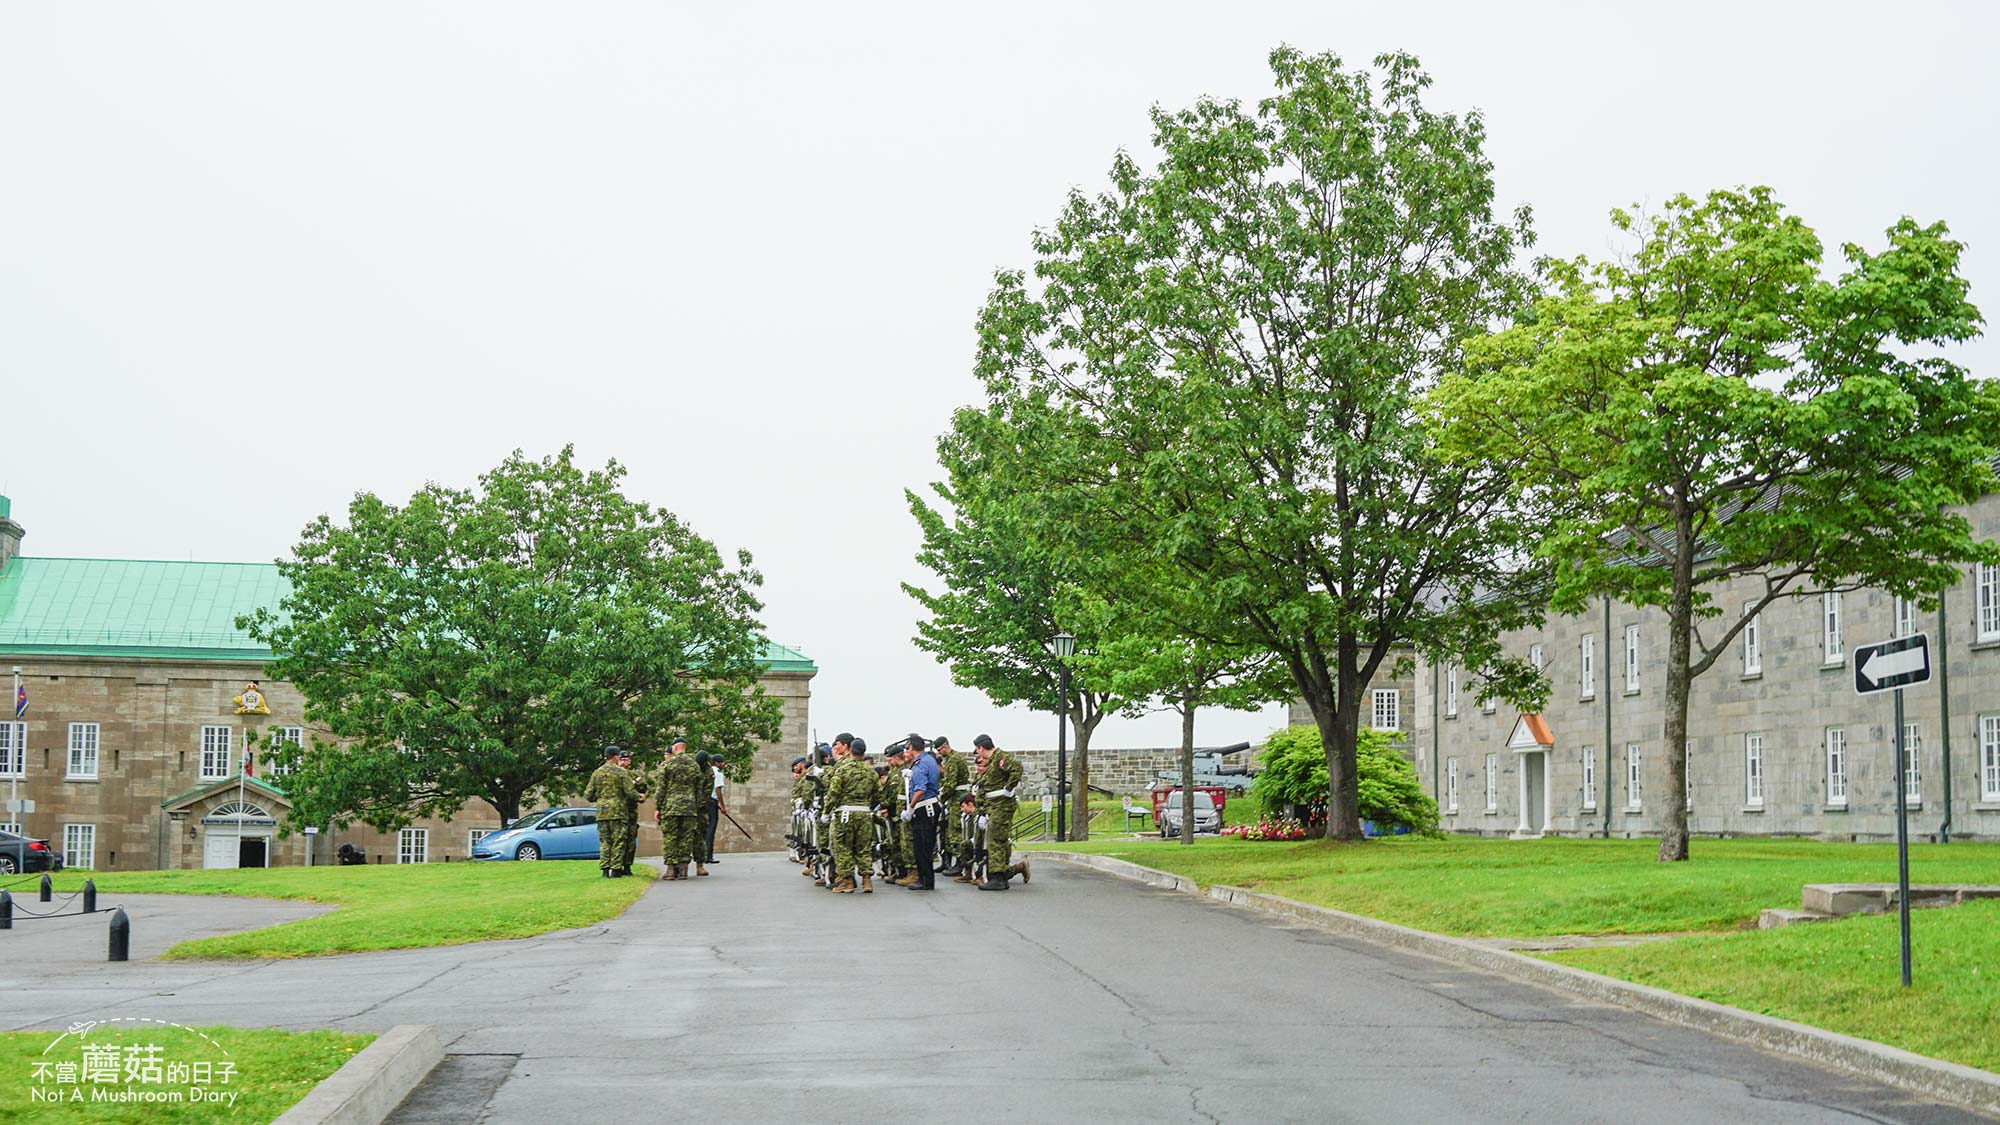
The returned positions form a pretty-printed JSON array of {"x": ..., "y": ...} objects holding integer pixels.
[
  {"x": 122, "y": 607},
  {"x": 172, "y": 610}
]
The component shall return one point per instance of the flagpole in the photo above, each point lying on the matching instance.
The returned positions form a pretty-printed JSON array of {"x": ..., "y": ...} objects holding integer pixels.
[
  {"x": 241, "y": 765},
  {"x": 20, "y": 758}
]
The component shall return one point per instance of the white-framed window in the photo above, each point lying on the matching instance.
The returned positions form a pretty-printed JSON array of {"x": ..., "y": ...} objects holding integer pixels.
[
  {"x": 1829, "y": 619},
  {"x": 1586, "y": 660},
  {"x": 1535, "y": 656},
  {"x": 1989, "y": 602},
  {"x": 79, "y": 844},
  {"x": 1906, "y": 618},
  {"x": 474, "y": 835},
  {"x": 1687, "y": 776},
  {"x": 215, "y": 742},
  {"x": 1989, "y": 757},
  {"x": 1836, "y": 766},
  {"x": 1753, "y": 642},
  {"x": 1451, "y": 689},
  {"x": 1386, "y": 707},
  {"x": 1631, "y": 658},
  {"x": 1487, "y": 704},
  {"x": 413, "y": 845},
  {"x": 13, "y": 826},
  {"x": 1451, "y": 785},
  {"x": 1492, "y": 783},
  {"x": 1753, "y": 770},
  {"x": 83, "y": 750},
  {"x": 1913, "y": 770},
  {"x": 289, "y": 736},
  {"x": 1632, "y": 775},
  {"x": 1589, "y": 781},
  {"x": 13, "y": 749}
]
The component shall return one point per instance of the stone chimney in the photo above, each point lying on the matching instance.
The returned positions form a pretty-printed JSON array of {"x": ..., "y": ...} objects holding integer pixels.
[{"x": 10, "y": 533}]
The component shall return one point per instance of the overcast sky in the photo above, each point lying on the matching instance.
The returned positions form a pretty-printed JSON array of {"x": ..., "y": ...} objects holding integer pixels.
[{"x": 257, "y": 257}]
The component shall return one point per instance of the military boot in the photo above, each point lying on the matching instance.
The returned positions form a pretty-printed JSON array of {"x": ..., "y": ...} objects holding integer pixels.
[
  {"x": 904, "y": 879},
  {"x": 867, "y": 885},
  {"x": 950, "y": 867},
  {"x": 1020, "y": 869},
  {"x": 843, "y": 886},
  {"x": 964, "y": 876},
  {"x": 699, "y": 869},
  {"x": 995, "y": 881}
]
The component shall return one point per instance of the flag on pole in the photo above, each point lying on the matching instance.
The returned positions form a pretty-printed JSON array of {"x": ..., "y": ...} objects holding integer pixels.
[
  {"x": 249, "y": 761},
  {"x": 20, "y": 701}
]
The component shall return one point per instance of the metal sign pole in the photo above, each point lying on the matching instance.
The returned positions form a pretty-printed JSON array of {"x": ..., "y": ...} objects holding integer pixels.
[{"x": 1902, "y": 839}]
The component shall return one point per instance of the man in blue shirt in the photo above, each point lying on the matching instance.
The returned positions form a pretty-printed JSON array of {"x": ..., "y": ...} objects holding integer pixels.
[{"x": 921, "y": 810}]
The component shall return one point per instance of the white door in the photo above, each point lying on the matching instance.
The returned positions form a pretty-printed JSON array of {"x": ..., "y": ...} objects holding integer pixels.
[{"x": 219, "y": 849}]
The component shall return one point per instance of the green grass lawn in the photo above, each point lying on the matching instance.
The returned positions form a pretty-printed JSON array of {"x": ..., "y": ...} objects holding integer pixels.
[
  {"x": 1839, "y": 975},
  {"x": 1529, "y": 888},
  {"x": 268, "y": 1071},
  {"x": 1843, "y": 976},
  {"x": 388, "y": 906}
]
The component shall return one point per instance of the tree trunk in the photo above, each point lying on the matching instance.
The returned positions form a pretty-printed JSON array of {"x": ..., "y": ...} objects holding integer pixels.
[
  {"x": 508, "y": 805},
  {"x": 1187, "y": 767},
  {"x": 1680, "y": 635},
  {"x": 1340, "y": 733},
  {"x": 1079, "y": 772}
]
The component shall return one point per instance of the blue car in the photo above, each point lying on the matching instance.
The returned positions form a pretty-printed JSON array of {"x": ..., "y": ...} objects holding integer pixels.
[{"x": 569, "y": 833}]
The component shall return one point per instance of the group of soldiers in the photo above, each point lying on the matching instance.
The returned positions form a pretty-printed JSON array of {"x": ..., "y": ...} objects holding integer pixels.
[
  {"x": 923, "y": 812},
  {"x": 685, "y": 783}
]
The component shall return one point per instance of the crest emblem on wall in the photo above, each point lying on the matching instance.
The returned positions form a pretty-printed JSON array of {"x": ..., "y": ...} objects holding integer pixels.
[{"x": 251, "y": 702}]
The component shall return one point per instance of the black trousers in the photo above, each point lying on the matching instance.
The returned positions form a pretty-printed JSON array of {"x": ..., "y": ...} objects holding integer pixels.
[
  {"x": 923, "y": 842},
  {"x": 708, "y": 844}
]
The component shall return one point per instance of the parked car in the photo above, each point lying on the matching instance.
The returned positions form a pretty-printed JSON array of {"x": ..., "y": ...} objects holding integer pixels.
[
  {"x": 1207, "y": 818},
  {"x": 22, "y": 854},
  {"x": 569, "y": 833}
]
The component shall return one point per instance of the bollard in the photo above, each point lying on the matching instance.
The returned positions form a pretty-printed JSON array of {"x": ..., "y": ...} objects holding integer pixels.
[
  {"x": 90, "y": 896},
  {"x": 6, "y": 911},
  {"x": 121, "y": 935},
  {"x": 46, "y": 889}
]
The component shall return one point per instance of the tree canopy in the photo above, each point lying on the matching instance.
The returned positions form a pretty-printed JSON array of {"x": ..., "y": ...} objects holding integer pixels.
[
  {"x": 487, "y": 642},
  {"x": 1217, "y": 366}
]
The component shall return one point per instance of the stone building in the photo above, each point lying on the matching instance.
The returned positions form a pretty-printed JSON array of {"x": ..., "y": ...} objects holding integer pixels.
[
  {"x": 131, "y": 747},
  {"x": 1779, "y": 743}
]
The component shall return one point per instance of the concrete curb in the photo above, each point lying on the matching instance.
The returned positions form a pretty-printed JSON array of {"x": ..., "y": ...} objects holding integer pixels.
[
  {"x": 1933, "y": 1078},
  {"x": 372, "y": 1083}
]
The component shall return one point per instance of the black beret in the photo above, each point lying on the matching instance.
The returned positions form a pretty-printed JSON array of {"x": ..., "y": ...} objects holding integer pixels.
[
  {"x": 612, "y": 751},
  {"x": 984, "y": 742},
  {"x": 857, "y": 747}
]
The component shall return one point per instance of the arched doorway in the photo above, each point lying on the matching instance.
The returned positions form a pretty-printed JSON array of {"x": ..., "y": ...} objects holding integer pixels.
[{"x": 237, "y": 834}]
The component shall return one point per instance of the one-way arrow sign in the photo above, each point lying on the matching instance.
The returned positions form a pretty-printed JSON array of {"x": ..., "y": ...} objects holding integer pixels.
[{"x": 1892, "y": 664}]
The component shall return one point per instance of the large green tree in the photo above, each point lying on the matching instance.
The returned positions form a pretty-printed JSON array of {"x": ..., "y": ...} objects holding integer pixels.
[
  {"x": 1220, "y": 361},
  {"x": 995, "y": 614},
  {"x": 1712, "y": 411},
  {"x": 486, "y": 643}
]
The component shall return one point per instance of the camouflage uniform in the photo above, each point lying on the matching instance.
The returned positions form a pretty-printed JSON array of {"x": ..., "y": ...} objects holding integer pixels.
[
  {"x": 889, "y": 798},
  {"x": 640, "y": 790},
  {"x": 852, "y": 786},
  {"x": 683, "y": 791},
  {"x": 1001, "y": 775},
  {"x": 611, "y": 787},
  {"x": 954, "y": 782}
]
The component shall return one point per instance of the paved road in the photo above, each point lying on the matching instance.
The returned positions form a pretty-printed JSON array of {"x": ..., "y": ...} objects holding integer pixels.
[{"x": 751, "y": 996}]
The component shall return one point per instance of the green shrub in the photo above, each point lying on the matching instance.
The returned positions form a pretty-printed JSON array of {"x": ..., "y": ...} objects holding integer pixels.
[{"x": 1294, "y": 773}]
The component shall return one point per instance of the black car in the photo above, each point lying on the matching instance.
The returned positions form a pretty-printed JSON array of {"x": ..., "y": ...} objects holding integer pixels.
[{"x": 20, "y": 854}]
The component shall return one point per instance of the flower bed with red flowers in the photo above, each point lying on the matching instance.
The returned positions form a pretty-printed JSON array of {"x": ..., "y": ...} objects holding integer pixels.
[{"x": 1282, "y": 828}]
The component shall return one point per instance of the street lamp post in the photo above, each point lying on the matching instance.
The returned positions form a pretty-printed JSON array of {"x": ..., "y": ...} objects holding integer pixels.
[{"x": 1065, "y": 648}]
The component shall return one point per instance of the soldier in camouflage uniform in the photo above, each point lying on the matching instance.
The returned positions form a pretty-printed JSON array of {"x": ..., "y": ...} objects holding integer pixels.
[
  {"x": 954, "y": 782},
  {"x": 801, "y": 791},
  {"x": 683, "y": 786},
  {"x": 850, "y": 798},
  {"x": 905, "y": 851},
  {"x": 999, "y": 775},
  {"x": 611, "y": 787},
  {"x": 630, "y": 852}
]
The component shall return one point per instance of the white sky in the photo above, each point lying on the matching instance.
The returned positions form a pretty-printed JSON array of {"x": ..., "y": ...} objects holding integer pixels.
[{"x": 257, "y": 257}]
